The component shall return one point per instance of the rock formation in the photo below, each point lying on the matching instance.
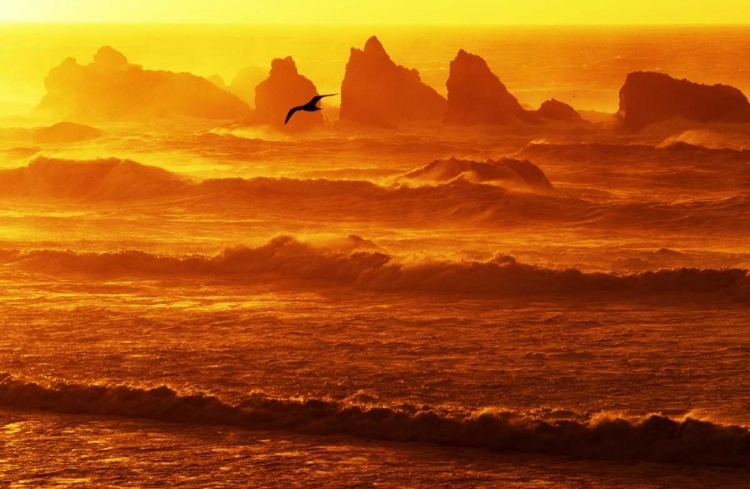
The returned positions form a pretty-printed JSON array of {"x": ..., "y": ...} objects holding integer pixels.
[
  {"x": 111, "y": 89},
  {"x": 283, "y": 89},
  {"x": 477, "y": 96},
  {"x": 376, "y": 91},
  {"x": 648, "y": 97},
  {"x": 558, "y": 111}
]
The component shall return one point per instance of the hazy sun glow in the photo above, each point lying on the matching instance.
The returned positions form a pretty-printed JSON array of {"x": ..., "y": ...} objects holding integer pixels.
[{"x": 380, "y": 11}]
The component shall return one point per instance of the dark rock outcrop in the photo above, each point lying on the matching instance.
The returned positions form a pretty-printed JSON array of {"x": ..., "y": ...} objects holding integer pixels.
[
  {"x": 111, "y": 89},
  {"x": 648, "y": 97},
  {"x": 376, "y": 91},
  {"x": 283, "y": 89},
  {"x": 477, "y": 96},
  {"x": 65, "y": 132},
  {"x": 558, "y": 111}
]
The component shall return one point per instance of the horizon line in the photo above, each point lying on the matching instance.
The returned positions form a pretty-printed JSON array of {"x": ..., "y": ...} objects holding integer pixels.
[{"x": 368, "y": 24}]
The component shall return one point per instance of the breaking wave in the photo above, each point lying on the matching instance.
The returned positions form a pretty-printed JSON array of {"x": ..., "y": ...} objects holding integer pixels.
[
  {"x": 117, "y": 181},
  {"x": 449, "y": 192},
  {"x": 654, "y": 438},
  {"x": 713, "y": 138},
  {"x": 514, "y": 173},
  {"x": 286, "y": 259},
  {"x": 101, "y": 179}
]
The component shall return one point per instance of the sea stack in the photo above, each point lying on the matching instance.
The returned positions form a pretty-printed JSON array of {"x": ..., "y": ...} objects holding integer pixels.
[
  {"x": 283, "y": 89},
  {"x": 376, "y": 91},
  {"x": 112, "y": 89},
  {"x": 648, "y": 98},
  {"x": 477, "y": 96}
]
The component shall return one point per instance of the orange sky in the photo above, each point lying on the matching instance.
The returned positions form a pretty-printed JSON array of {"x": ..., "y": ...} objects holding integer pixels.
[{"x": 381, "y": 11}]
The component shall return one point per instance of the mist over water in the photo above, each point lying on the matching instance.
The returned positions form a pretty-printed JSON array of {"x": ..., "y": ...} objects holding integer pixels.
[{"x": 549, "y": 303}]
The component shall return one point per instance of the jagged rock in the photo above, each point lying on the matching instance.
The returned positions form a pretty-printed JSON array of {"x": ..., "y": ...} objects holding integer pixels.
[
  {"x": 558, "y": 111},
  {"x": 111, "y": 89},
  {"x": 648, "y": 97},
  {"x": 283, "y": 89},
  {"x": 477, "y": 96},
  {"x": 376, "y": 91},
  {"x": 65, "y": 132}
]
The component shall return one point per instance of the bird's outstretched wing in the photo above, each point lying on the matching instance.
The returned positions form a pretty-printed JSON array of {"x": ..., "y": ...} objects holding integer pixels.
[
  {"x": 291, "y": 113},
  {"x": 317, "y": 98}
]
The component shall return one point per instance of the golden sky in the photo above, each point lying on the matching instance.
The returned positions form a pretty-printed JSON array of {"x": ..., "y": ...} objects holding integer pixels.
[{"x": 523, "y": 12}]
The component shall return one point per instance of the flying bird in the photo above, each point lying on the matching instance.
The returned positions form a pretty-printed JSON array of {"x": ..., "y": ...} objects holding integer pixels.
[{"x": 311, "y": 106}]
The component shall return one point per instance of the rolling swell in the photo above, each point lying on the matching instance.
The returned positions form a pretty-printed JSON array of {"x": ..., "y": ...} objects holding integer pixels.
[
  {"x": 287, "y": 259},
  {"x": 506, "y": 171},
  {"x": 108, "y": 179},
  {"x": 504, "y": 193},
  {"x": 673, "y": 151},
  {"x": 655, "y": 438},
  {"x": 118, "y": 182}
]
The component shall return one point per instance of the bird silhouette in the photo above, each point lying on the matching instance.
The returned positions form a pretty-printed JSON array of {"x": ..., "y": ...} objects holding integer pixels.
[{"x": 311, "y": 106}]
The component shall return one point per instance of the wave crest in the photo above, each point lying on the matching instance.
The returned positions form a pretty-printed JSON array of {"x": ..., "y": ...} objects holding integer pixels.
[
  {"x": 100, "y": 179},
  {"x": 285, "y": 258},
  {"x": 508, "y": 172},
  {"x": 655, "y": 438}
]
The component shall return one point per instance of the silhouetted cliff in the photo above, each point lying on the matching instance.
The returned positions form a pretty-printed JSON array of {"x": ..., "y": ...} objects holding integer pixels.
[
  {"x": 283, "y": 89},
  {"x": 377, "y": 91},
  {"x": 111, "y": 89},
  {"x": 649, "y": 97},
  {"x": 477, "y": 96}
]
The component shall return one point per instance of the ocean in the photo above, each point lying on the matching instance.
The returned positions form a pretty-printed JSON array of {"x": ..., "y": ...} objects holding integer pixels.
[{"x": 195, "y": 304}]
